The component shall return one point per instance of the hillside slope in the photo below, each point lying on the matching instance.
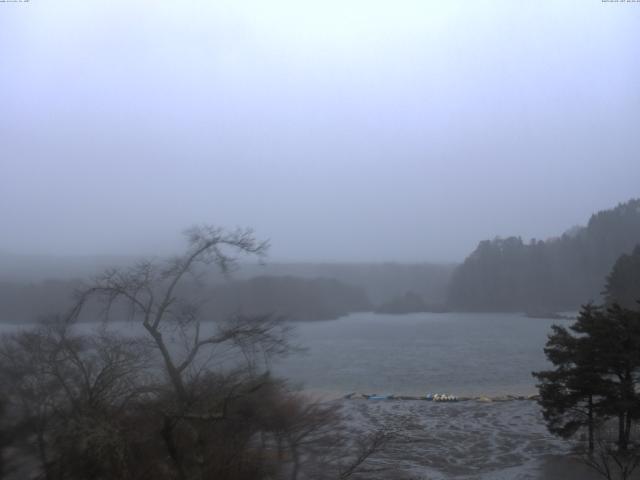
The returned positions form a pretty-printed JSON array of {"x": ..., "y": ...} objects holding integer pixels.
[{"x": 557, "y": 274}]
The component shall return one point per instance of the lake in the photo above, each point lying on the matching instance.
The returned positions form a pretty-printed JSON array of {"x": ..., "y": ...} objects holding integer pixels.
[{"x": 459, "y": 353}]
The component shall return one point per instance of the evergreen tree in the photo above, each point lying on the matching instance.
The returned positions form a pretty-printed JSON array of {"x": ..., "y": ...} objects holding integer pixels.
[
  {"x": 617, "y": 336},
  {"x": 623, "y": 283},
  {"x": 572, "y": 392},
  {"x": 552, "y": 275},
  {"x": 597, "y": 369}
]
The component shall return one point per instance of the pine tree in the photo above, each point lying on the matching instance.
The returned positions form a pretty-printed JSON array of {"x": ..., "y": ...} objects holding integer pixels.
[
  {"x": 571, "y": 394},
  {"x": 623, "y": 283},
  {"x": 597, "y": 369}
]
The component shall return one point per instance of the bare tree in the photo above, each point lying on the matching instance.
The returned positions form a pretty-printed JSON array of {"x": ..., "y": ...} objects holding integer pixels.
[
  {"x": 365, "y": 448},
  {"x": 158, "y": 296},
  {"x": 312, "y": 440},
  {"x": 611, "y": 461},
  {"x": 169, "y": 404},
  {"x": 152, "y": 292},
  {"x": 65, "y": 393}
]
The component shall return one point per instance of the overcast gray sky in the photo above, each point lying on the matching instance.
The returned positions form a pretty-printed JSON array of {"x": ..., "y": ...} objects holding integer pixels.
[{"x": 341, "y": 130}]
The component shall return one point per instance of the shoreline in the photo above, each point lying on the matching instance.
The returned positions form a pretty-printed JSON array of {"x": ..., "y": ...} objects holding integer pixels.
[
  {"x": 478, "y": 398},
  {"x": 504, "y": 438}
]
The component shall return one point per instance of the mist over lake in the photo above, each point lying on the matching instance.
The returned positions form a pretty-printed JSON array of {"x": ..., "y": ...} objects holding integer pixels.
[{"x": 320, "y": 240}]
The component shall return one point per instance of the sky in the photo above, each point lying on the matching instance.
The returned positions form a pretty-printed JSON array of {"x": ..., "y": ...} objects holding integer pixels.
[{"x": 340, "y": 130}]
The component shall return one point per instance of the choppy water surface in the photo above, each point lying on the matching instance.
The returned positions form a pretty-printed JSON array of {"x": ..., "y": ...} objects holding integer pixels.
[{"x": 459, "y": 353}]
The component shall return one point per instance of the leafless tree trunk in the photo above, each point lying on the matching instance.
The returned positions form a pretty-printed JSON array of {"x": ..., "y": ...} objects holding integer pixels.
[
  {"x": 96, "y": 403},
  {"x": 366, "y": 448},
  {"x": 152, "y": 292},
  {"x": 57, "y": 380},
  {"x": 611, "y": 461}
]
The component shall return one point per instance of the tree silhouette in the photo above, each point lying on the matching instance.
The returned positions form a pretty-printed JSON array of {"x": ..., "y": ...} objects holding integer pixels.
[
  {"x": 597, "y": 368},
  {"x": 623, "y": 283}
]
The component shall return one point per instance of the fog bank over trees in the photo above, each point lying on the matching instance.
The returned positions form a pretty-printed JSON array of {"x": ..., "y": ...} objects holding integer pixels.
[
  {"x": 297, "y": 291},
  {"x": 556, "y": 274},
  {"x": 503, "y": 274}
]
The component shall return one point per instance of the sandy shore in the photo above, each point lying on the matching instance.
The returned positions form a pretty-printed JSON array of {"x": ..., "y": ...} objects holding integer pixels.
[{"x": 465, "y": 440}]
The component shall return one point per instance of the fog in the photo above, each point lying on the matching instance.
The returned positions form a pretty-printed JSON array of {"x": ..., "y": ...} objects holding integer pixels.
[{"x": 340, "y": 130}]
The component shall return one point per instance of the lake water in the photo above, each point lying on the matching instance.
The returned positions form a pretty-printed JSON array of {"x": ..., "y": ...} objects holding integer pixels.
[
  {"x": 464, "y": 354},
  {"x": 458, "y": 353}
]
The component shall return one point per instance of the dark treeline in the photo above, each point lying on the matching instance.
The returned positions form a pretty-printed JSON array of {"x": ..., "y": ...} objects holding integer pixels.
[
  {"x": 556, "y": 274},
  {"x": 299, "y": 291},
  {"x": 410, "y": 302},
  {"x": 289, "y": 297},
  {"x": 24, "y": 303},
  {"x": 382, "y": 282},
  {"x": 504, "y": 274}
]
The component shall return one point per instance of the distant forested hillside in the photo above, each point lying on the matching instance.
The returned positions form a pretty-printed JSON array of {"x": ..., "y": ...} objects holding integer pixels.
[
  {"x": 32, "y": 286},
  {"x": 27, "y": 302},
  {"x": 43, "y": 276},
  {"x": 382, "y": 282},
  {"x": 557, "y": 274},
  {"x": 410, "y": 302},
  {"x": 291, "y": 297}
]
